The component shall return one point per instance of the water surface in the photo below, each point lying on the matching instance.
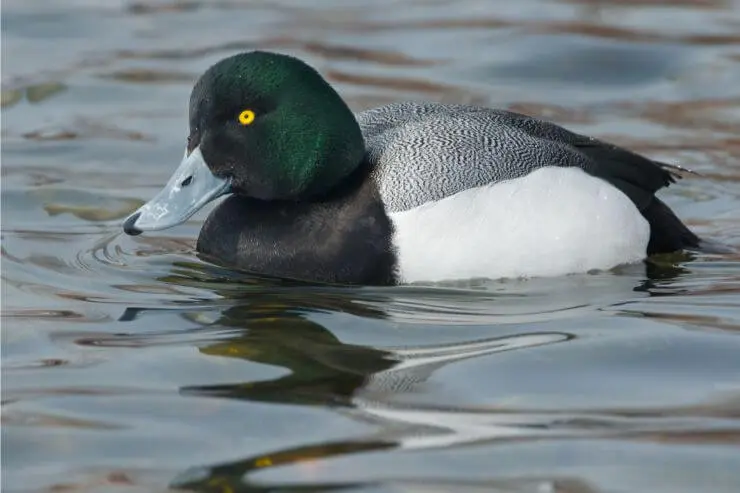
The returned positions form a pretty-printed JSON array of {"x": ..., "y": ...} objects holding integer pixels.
[{"x": 130, "y": 365}]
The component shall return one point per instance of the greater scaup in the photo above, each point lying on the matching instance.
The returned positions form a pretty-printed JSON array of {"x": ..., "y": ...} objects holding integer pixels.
[{"x": 405, "y": 192}]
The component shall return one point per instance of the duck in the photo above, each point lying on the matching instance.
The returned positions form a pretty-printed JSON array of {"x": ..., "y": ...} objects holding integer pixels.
[{"x": 404, "y": 193}]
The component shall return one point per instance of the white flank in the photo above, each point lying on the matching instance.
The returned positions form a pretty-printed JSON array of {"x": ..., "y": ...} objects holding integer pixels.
[{"x": 554, "y": 221}]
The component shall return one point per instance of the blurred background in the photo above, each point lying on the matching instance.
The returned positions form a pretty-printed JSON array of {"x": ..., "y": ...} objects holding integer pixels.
[{"x": 130, "y": 365}]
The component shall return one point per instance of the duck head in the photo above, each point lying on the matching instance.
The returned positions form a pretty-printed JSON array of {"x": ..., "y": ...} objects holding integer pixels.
[{"x": 262, "y": 125}]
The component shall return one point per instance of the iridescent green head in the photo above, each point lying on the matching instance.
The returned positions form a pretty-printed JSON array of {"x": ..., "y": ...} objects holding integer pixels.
[{"x": 262, "y": 125}]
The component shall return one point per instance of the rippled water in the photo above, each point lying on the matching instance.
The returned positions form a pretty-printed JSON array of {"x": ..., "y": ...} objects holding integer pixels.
[{"x": 130, "y": 365}]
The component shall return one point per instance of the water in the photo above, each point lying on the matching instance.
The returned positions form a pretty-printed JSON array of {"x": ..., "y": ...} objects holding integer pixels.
[{"x": 130, "y": 365}]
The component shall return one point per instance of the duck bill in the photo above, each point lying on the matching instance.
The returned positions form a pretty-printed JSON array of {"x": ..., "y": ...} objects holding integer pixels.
[{"x": 190, "y": 188}]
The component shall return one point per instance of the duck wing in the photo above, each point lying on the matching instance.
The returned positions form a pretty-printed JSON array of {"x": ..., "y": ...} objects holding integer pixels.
[{"x": 423, "y": 152}]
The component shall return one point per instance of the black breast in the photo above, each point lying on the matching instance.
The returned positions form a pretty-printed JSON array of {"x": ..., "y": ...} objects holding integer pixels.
[{"x": 342, "y": 238}]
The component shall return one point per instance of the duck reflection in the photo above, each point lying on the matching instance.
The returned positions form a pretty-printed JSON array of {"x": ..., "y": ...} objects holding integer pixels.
[
  {"x": 361, "y": 382},
  {"x": 326, "y": 371},
  {"x": 323, "y": 370}
]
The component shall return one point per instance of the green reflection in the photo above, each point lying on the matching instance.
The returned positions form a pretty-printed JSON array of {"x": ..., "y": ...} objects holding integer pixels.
[{"x": 323, "y": 370}]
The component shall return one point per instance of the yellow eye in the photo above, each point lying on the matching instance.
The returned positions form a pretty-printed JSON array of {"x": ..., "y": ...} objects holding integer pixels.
[{"x": 246, "y": 117}]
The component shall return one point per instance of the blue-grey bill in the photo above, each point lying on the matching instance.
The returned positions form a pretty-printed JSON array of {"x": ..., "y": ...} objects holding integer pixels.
[{"x": 190, "y": 188}]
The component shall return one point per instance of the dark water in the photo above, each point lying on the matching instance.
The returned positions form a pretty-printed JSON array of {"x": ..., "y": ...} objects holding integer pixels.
[{"x": 129, "y": 365}]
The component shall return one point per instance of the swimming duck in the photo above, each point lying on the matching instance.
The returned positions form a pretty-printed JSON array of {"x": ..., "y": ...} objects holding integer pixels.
[{"x": 406, "y": 192}]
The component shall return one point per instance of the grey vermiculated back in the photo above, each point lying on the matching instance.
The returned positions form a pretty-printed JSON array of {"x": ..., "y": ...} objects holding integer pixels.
[{"x": 428, "y": 151}]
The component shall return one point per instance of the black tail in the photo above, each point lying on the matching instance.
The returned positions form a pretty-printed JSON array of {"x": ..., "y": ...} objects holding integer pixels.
[{"x": 667, "y": 232}]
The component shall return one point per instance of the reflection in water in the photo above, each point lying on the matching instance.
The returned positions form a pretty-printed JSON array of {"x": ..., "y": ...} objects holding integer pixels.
[
  {"x": 324, "y": 371},
  {"x": 358, "y": 381}
]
